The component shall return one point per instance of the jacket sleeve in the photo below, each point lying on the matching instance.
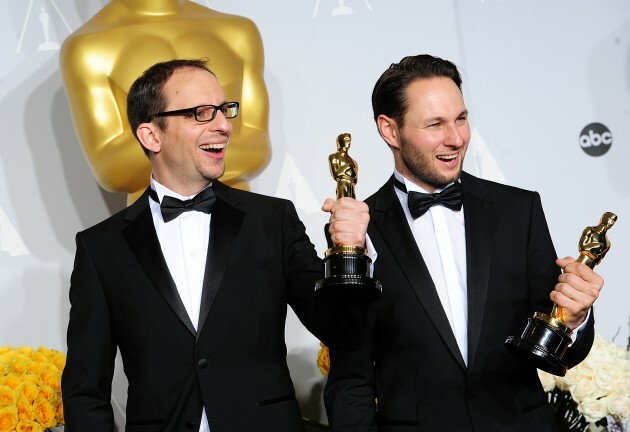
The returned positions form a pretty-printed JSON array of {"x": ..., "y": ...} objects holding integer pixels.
[
  {"x": 350, "y": 393},
  {"x": 334, "y": 325},
  {"x": 87, "y": 377}
]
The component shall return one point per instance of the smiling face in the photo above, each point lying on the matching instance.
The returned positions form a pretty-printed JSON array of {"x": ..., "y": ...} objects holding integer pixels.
[
  {"x": 430, "y": 146},
  {"x": 187, "y": 155}
]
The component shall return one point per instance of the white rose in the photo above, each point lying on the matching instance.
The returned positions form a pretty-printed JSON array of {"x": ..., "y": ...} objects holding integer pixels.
[
  {"x": 548, "y": 381},
  {"x": 587, "y": 367},
  {"x": 605, "y": 378},
  {"x": 621, "y": 353},
  {"x": 619, "y": 406},
  {"x": 593, "y": 409},
  {"x": 584, "y": 390},
  {"x": 570, "y": 379}
]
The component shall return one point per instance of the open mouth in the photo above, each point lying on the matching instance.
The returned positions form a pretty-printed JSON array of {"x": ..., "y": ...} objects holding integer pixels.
[
  {"x": 213, "y": 148},
  {"x": 447, "y": 158}
]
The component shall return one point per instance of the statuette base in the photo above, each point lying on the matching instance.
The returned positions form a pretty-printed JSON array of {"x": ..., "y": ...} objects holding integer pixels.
[
  {"x": 543, "y": 343},
  {"x": 347, "y": 277}
]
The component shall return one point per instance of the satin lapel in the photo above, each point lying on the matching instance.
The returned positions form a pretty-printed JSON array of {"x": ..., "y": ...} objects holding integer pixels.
[
  {"x": 478, "y": 212},
  {"x": 144, "y": 243},
  {"x": 389, "y": 220},
  {"x": 225, "y": 226}
]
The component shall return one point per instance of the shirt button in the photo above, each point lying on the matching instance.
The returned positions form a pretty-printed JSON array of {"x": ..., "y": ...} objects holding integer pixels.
[{"x": 203, "y": 363}]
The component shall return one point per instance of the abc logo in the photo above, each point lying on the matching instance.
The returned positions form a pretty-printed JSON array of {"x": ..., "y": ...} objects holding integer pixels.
[{"x": 595, "y": 139}]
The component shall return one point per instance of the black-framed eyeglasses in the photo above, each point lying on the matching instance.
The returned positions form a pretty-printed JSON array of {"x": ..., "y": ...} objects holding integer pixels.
[{"x": 205, "y": 113}]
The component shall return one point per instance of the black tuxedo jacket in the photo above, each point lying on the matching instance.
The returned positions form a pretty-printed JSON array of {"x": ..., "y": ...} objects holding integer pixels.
[
  {"x": 412, "y": 364},
  {"x": 259, "y": 260}
]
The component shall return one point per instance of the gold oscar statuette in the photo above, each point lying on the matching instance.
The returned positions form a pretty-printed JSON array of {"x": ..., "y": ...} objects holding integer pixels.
[
  {"x": 546, "y": 337},
  {"x": 347, "y": 276}
]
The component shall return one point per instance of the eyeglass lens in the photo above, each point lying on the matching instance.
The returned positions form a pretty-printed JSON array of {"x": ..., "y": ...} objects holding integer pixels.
[{"x": 208, "y": 112}]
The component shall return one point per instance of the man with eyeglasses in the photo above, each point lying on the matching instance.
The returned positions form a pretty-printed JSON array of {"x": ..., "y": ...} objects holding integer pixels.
[{"x": 192, "y": 281}]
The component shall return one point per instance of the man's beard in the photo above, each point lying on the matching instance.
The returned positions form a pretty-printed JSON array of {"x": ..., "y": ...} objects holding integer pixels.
[
  {"x": 421, "y": 166},
  {"x": 213, "y": 173}
]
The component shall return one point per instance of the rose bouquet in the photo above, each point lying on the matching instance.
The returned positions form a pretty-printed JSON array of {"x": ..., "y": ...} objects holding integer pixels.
[
  {"x": 30, "y": 389},
  {"x": 594, "y": 395}
]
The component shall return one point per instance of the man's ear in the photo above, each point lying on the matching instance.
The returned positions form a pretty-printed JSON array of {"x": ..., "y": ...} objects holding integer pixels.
[
  {"x": 148, "y": 135},
  {"x": 388, "y": 129}
]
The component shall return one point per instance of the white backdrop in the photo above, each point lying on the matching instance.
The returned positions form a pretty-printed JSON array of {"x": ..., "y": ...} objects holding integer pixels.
[{"x": 536, "y": 73}]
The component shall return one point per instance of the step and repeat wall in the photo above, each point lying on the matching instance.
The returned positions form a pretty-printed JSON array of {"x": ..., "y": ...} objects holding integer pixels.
[{"x": 547, "y": 84}]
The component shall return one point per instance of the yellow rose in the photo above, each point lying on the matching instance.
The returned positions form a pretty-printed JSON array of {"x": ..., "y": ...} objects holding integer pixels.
[
  {"x": 323, "y": 360},
  {"x": 10, "y": 380},
  {"x": 59, "y": 360},
  {"x": 48, "y": 393},
  {"x": 18, "y": 356},
  {"x": 28, "y": 390},
  {"x": 25, "y": 409},
  {"x": 35, "y": 367},
  {"x": 35, "y": 379},
  {"x": 8, "y": 396},
  {"x": 28, "y": 351},
  {"x": 45, "y": 413},
  {"x": 28, "y": 426},
  {"x": 5, "y": 349},
  {"x": 20, "y": 367},
  {"x": 45, "y": 351},
  {"x": 60, "y": 417},
  {"x": 8, "y": 418},
  {"x": 52, "y": 379},
  {"x": 39, "y": 357}
]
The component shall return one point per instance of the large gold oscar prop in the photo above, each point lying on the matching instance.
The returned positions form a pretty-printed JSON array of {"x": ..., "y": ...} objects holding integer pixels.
[
  {"x": 101, "y": 59},
  {"x": 546, "y": 337},
  {"x": 347, "y": 273}
]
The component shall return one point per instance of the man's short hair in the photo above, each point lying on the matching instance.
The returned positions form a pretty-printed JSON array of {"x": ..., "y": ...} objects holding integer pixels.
[
  {"x": 389, "y": 96},
  {"x": 146, "y": 97}
]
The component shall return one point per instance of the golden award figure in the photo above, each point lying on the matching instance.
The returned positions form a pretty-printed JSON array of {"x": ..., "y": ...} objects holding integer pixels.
[
  {"x": 546, "y": 337},
  {"x": 347, "y": 275},
  {"x": 101, "y": 59}
]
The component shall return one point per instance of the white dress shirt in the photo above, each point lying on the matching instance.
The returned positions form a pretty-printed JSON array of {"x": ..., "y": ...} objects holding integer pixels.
[
  {"x": 184, "y": 243},
  {"x": 441, "y": 237}
]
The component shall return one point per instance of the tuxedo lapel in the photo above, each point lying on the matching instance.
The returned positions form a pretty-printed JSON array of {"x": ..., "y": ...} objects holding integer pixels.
[
  {"x": 224, "y": 228},
  {"x": 478, "y": 213},
  {"x": 144, "y": 244},
  {"x": 389, "y": 220}
]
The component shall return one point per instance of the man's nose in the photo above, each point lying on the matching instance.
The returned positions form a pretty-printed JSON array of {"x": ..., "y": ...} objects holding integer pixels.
[
  {"x": 220, "y": 123},
  {"x": 454, "y": 136}
]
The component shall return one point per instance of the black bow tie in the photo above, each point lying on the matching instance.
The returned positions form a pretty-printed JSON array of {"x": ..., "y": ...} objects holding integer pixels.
[
  {"x": 173, "y": 207},
  {"x": 419, "y": 203}
]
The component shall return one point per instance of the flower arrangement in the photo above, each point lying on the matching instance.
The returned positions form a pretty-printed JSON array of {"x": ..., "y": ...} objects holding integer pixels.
[
  {"x": 30, "y": 389},
  {"x": 323, "y": 359},
  {"x": 596, "y": 389}
]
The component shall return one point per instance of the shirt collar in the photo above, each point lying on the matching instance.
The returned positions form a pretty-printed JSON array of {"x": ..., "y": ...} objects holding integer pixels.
[
  {"x": 162, "y": 190},
  {"x": 411, "y": 186}
]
